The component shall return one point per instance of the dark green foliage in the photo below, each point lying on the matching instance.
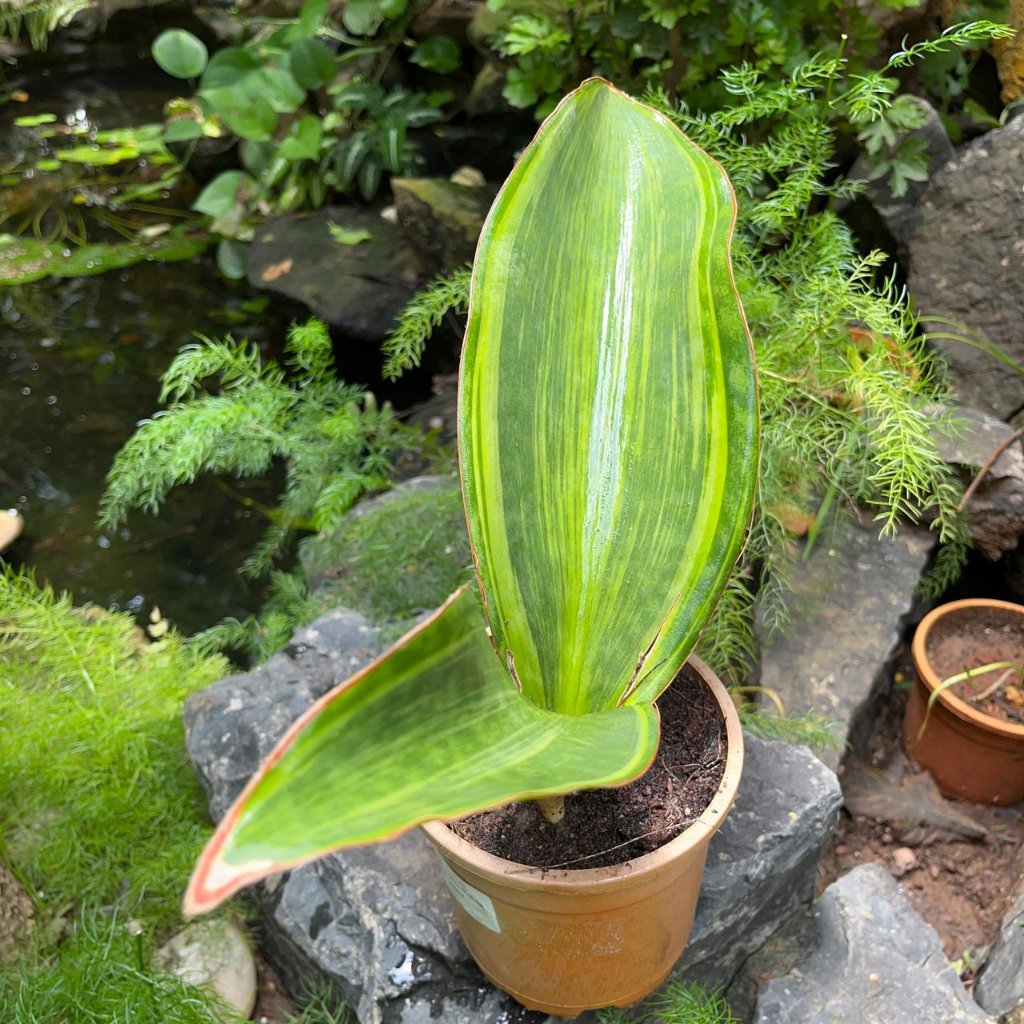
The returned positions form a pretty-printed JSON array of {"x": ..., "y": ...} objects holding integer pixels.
[
  {"x": 390, "y": 559},
  {"x": 303, "y": 130},
  {"x": 230, "y": 413},
  {"x": 682, "y": 46}
]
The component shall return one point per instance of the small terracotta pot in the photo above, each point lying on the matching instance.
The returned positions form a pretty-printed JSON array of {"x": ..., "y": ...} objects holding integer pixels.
[
  {"x": 565, "y": 941},
  {"x": 971, "y": 755}
]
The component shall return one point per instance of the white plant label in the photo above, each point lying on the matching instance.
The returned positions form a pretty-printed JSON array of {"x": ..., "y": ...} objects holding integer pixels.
[{"x": 474, "y": 902}]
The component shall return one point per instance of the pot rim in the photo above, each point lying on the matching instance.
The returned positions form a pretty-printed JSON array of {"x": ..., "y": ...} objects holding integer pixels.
[
  {"x": 521, "y": 876},
  {"x": 929, "y": 678}
]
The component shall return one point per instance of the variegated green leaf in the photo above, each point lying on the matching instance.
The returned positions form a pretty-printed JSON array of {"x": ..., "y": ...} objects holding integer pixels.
[
  {"x": 432, "y": 729},
  {"x": 607, "y": 424}
]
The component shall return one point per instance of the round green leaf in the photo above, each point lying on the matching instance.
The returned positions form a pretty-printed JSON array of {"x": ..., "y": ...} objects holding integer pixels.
[
  {"x": 362, "y": 17},
  {"x": 248, "y": 114},
  {"x": 179, "y": 53},
  {"x": 227, "y": 68},
  {"x": 439, "y": 53},
  {"x": 303, "y": 141},
  {"x": 279, "y": 89},
  {"x": 183, "y": 130},
  {"x": 312, "y": 63},
  {"x": 219, "y": 197},
  {"x": 312, "y": 16},
  {"x": 232, "y": 258}
]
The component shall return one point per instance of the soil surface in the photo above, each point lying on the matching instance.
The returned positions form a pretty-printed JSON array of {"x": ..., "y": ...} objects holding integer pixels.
[
  {"x": 976, "y": 637},
  {"x": 608, "y": 826},
  {"x": 956, "y": 862}
]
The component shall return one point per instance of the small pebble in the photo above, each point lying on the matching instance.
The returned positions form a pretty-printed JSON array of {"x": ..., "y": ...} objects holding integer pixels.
[
  {"x": 934, "y": 871},
  {"x": 903, "y": 860}
]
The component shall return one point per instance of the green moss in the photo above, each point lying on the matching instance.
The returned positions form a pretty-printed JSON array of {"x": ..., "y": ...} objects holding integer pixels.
[
  {"x": 400, "y": 556},
  {"x": 98, "y": 804}
]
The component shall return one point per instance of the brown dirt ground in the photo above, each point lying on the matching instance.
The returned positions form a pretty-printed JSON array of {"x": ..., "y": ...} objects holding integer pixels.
[{"x": 959, "y": 885}]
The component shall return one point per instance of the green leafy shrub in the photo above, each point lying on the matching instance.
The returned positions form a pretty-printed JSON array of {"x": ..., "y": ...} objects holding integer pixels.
[
  {"x": 336, "y": 442},
  {"x": 679, "y": 45},
  {"x": 390, "y": 560},
  {"x": 310, "y": 117},
  {"x": 683, "y": 49}
]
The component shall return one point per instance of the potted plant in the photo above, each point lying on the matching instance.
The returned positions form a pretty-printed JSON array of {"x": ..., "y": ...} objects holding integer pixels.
[
  {"x": 965, "y": 716},
  {"x": 608, "y": 451}
]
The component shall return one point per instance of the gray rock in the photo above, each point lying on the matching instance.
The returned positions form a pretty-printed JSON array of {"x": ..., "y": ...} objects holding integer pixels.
[
  {"x": 1000, "y": 985},
  {"x": 876, "y": 962},
  {"x": 377, "y": 921},
  {"x": 793, "y": 943},
  {"x": 358, "y": 289},
  {"x": 996, "y": 508},
  {"x": 442, "y": 219},
  {"x": 761, "y": 865},
  {"x": 899, "y": 213},
  {"x": 214, "y": 954},
  {"x": 966, "y": 254},
  {"x": 846, "y": 604},
  {"x": 231, "y": 726}
]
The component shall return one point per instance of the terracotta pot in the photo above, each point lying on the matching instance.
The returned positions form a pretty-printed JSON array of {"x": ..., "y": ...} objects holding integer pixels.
[
  {"x": 565, "y": 941},
  {"x": 971, "y": 755}
]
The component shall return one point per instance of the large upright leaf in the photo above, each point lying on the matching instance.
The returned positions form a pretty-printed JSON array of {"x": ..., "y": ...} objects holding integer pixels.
[
  {"x": 607, "y": 424},
  {"x": 433, "y": 729}
]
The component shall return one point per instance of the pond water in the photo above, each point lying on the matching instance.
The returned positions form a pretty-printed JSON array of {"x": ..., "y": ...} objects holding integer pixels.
[{"x": 80, "y": 362}]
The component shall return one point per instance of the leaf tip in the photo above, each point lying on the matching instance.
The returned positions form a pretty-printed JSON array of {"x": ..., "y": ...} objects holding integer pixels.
[{"x": 214, "y": 880}]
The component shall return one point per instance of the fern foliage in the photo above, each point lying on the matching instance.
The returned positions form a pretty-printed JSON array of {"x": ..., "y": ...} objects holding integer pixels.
[
  {"x": 38, "y": 18},
  {"x": 403, "y": 348},
  {"x": 231, "y": 413}
]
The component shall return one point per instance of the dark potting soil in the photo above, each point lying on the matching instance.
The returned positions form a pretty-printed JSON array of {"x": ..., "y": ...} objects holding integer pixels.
[
  {"x": 608, "y": 826},
  {"x": 980, "y": 636}
]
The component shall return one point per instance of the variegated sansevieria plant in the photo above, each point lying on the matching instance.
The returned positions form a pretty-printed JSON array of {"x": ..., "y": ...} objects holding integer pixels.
[{"x": 608, "y": 448}]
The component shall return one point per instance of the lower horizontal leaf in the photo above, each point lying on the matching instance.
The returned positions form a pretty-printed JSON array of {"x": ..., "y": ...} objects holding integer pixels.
[{"x": 432, "y": 729}]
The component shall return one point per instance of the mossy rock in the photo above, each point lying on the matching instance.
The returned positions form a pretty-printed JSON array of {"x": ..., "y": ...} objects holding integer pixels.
[{"x": 441, "y": 219}]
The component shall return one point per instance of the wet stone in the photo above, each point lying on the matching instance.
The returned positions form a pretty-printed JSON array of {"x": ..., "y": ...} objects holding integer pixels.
[
  {"x": 875, "y": 962},
  {"x": 358, "y": 289},
  {"x": 377, "y": 921}
]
